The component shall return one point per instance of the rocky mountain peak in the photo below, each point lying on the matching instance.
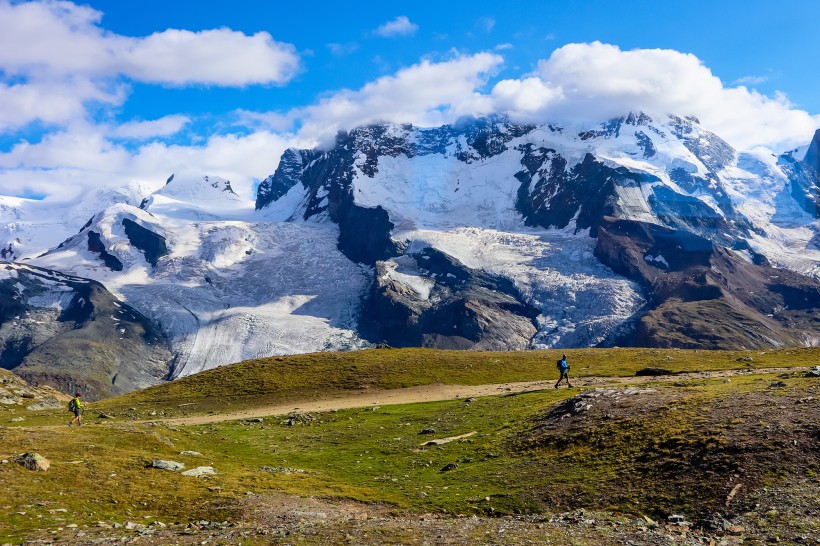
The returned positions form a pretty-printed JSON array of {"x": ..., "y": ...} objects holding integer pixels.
[{"x": 812, "y": 158}]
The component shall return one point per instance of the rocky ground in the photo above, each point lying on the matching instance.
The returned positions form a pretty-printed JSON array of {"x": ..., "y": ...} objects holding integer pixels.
[
  {"x": 283, "y": 519},
  {"x": 753, "y": 477}
]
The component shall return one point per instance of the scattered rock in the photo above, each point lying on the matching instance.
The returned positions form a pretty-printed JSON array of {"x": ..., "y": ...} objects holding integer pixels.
[
  {"x": 676, "y": 519},
  {"x": 214, "y": 488},
  {"x": 199, "y": 471},
  {"x": 105, "y": 416},
  {"x": 299, "y": 418},
  {"x": 17, "y": 419},
  {"x": 653, "y": 372},
  {"x": 254, "y": 420},
  {"x": 283, "y": 470},
  {"x": 441, "y": 441},
  {"x": 173, "y": 466},
  {"x": 428, "y": 431},
  {"x": 191, "y": 453},
  {"x": 735, "y": 530},
  {"x": 814, "y": 372},
  {"x": 777, "y": 385},
  {"x": 448, "y": 467},
  {"x": 33, "y": 461},
  {"x": 744, "y": 359},
  {"x": 46, "y": 404}
]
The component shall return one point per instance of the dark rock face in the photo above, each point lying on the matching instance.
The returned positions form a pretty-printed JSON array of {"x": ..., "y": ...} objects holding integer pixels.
[
  {"x": 291, "y": 166},
  {"x": 446, "y": 305},
  {"x": 551, "y": 196},
  {"x": 365, "y": 234},
  {"x": 705, "y": 296},
  {"x": 151, "y": 244},
  {"x": 804, "y": 177},
  {"x": 686, "y": 267},
  {"x": 812, "y": 159},
  {"x": 71, "y": 333},
  {"x": 710, "y": 149},
  {"x": 95, "y": 244}
]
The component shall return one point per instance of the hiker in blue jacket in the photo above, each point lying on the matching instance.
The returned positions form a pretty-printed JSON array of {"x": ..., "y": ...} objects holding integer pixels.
[{"x": 563, "y": 368}]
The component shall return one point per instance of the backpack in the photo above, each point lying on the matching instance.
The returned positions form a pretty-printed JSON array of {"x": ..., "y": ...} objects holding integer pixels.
[
  {"x": 561, "y": 365},
  {"x": 72, "y": 406}
]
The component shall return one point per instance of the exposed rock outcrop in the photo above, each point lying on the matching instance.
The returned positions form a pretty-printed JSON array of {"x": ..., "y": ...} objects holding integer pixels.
[
  {"x": 707, "y": 296},
  {"x": 33, "y": 461},
  {"x": 429, "y": 299},
  {"x": 151, "y": 244},
  {"x": 72, "y": 334}
]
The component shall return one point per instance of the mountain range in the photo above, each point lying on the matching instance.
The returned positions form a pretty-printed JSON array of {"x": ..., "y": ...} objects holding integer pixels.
[{"x": 484, "y": 234}]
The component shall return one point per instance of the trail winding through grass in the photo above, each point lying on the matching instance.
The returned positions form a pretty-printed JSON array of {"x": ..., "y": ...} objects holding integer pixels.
[{"x": 439, "y": 392}]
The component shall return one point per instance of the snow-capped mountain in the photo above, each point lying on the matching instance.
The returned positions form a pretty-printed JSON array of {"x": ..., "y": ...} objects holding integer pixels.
[
  {"x": 29, "y": 227},
  {"x": 486, "y": 234},
  {"x": 222, "y": 281},
  {"x": 526, "y": 203},
  {"x": 70, "y": 332}
]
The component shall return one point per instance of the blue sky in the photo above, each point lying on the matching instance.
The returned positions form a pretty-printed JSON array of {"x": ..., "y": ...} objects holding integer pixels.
[
  {"x": 747, "y": 42},
  {"x": 110, "y": 92}
]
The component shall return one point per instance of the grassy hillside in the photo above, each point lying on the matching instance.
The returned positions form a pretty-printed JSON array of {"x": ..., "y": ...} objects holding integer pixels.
[
  {"x": 297, "y": 377},
  {"x": 649, "y": 449}
]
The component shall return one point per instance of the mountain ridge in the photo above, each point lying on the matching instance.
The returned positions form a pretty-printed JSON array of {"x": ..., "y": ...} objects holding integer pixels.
[{"x": 327, "y": 247}]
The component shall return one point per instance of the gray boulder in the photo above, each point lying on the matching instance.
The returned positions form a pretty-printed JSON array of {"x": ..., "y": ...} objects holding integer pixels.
[
  {"x": 33, "y": 461},
  {"x": 173, "y": 466},
  {"x": 199, "y": 471}
]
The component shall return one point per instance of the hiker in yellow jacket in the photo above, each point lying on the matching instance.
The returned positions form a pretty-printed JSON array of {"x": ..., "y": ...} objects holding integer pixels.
[{"x": 76, "y": 405}]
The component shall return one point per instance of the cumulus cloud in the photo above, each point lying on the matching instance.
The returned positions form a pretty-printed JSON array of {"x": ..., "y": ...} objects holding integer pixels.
[
  {"x": 588, "y": 83},
  {"x": 56, "y": 102},
  {"x": 427, "y": 93},
  {"x": 598, "y": 81},
  {"x": 400, "y": 26},
  {"x": 141, "y": 130},
  {"x": 55, "y": 58},
  {"x": 71, "y": 162},
  {"x": 213, "y": 57}
]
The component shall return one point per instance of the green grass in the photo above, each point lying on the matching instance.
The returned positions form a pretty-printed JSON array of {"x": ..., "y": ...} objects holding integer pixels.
[
  {"x": 318, "y": 375},
  {"x": 100, "y": 472}
]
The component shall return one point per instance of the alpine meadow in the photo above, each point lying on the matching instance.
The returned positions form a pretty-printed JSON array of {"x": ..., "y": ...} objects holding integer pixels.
[{"x": 458, "y": 274}]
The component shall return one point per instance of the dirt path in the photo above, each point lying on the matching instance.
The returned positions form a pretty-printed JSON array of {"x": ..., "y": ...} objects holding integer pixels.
[{"x": 438, "y": 392}]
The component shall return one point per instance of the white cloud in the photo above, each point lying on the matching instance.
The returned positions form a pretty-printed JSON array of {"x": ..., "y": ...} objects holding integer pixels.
[
  {"x": 140, "y": 130},
  {"x": 57, "y": 102},
  {"x": 213, "y": 57},
  {"x": 486, "y": 24},
  {"x": 400, "y": 26},
  {"x": 592, "y": 82},
  {"x": 426, "y": 94},
  {"x": 340, "y": 50},
  {"x": 752, "y": 80},
  {"x": 582, "y": 82},
  {"x": 55, "y": 59},
  {"x": 71, "y": 162},
  {"x": 599, "y": 81}
]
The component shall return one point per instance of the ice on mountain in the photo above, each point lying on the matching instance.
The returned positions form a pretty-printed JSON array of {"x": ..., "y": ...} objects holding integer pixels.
[
  {"x": 240, "y": 283},
  {"x": 655, "y": 260},
  {"x": 405, "y": 271}
]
